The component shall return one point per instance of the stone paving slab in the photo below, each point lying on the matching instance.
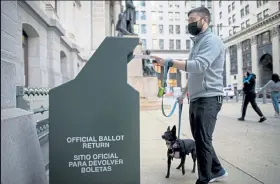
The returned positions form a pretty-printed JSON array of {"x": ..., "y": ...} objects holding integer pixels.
[{"x": 247, "y": 149}]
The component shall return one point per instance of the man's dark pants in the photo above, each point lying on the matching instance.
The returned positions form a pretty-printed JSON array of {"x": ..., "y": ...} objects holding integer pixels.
[
  {"x": 250, "y": 98},
  {"x": 203, "y": 115}
]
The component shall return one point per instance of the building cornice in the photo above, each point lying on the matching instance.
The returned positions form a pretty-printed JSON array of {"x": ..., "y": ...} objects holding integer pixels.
[
  {"x": 253, "y": 27},
  {"x": 49, "y": 22}
]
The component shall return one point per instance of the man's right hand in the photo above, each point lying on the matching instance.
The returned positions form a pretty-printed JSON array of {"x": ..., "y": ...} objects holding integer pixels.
[{"x": 181, "y": 98}]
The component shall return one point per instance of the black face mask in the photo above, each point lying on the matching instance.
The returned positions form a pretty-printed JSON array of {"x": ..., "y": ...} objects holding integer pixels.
[{"x": 194, "y": 29}]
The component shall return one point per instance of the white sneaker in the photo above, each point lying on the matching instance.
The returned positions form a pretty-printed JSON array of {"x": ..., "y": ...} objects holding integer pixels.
[
  {"x": 276, "y": 115},
  {"x": 219, "y": 177}
]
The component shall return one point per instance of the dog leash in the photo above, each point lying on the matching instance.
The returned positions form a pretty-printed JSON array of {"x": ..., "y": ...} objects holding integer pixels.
[
  {"x": 168, "y": 63},
  {"x": 161, "y": 92},
  {"x": 180, "y": 115}
]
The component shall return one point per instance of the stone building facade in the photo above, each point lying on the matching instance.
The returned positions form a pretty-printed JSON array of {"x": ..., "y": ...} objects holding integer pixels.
[
  {"x": 256, "y": 49},
  {"x": 250, "y": 31},
  {"x": 43, "y": 44},
  {"x": 52, "y": 40}
]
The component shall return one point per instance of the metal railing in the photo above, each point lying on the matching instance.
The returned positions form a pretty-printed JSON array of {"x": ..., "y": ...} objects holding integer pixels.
[{"x": 42, "y": 126}]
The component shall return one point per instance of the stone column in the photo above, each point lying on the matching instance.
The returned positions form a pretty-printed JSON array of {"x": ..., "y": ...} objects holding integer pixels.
[
  {"x": 228, "y": 67},
  {"x": 275, "y": 39},
  {"x": 21, "y": 156},
  {"x": 254, "y": 56},
  {"x": 53, "y": 47},
  {"x": 99, "y": 23},
  {"x": 117, "y": 11},
  {"x": 239, "y": 64}
]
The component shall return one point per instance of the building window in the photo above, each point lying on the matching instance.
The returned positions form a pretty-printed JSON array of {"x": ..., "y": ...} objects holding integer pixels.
[
  {"x": 202, "y": 3},
  {"x": 143, "y": 15},
  {"x": 220, "y": 3},
  {"x": 247, "y": 10},
  {"x": 137, "y": 15},
  {"x": 55, "y": 5},
  {"x": 221, "y": 26},
  {"x": 230, "y": 32},
  {"x": 234, "y": 30},
  {"x": 170, "y": 16},
  {"x": 186, "y": 16},
  {"x": 259, "y": 16},
  {"x": 246, "y": 55},
  {"x": 233, "y": 60},
  {"x": 265, "y": 1},
  {"x": 178, "y": 29},
  {"x": 177, "y": 16},
  {"x": 229, "y": 21},
  {"x": 155, "y": 44},
  {"x": 154, "y": 4},
  {"x": 188, "y": 44},
  {"x": 160, "y": 29},
  {"x": 136, "y": 28},
  {"x": 209, "y": 5},
  {"x": 263, "y": 38},
  {"x": 161, "y": 44},
  {"x": 229, "y": 8},
  {"x": 160, "y": 15},
  {"x": 193, "y": 4},
  {"x": 241, "y": 1},
  {"x": 178, "y": 44},
  {"x": 233, "y": 6},
  {"x": 242, "y": 13},
  {"x": 171, "y": 44},
  {"x": 154, "y": 15},
  {"x": 233, "y": 18},
  {"x": 220, "y": 15},
  {"x": 170, "y": 4},
  {"x": 186, "y": 3},
  {"x": 247, "y": 23},
  {"x": 143, "y": 29},
  {"x": 25, "y": 57},
  {"x": 154, "y": 29},
  {"x": 142, "y": 3},
  {"x": 171, "y": 29},
  {"x": 265, "y": 13},
  {"x": 259, "y": 3},
  {"x": 186, "y": 29},
  {"x": 279, "y": 5},
  {"x": 177, "y": 4},
  {"x": 144, "y": 43},
  {"x": 242, "y": 25}
]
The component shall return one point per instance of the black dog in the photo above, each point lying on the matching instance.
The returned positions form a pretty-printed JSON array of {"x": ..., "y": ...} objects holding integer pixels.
[{"x": 178, "y": 148}]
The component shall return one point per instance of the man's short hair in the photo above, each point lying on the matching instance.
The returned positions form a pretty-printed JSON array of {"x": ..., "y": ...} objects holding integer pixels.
[{"x": 202, "y": 11}]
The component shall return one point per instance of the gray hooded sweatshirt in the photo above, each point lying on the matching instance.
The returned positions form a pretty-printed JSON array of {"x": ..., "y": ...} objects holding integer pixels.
[{"x": 205, "y": 66}]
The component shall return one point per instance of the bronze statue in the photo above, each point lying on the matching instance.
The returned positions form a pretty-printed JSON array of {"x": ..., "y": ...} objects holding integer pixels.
[{"x": 127, "y": 19}]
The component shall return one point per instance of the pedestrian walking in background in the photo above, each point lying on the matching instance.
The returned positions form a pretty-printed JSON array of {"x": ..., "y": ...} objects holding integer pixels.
[
  {"x": 249, "y": 96},
  {"x": 274, "y": 86}
]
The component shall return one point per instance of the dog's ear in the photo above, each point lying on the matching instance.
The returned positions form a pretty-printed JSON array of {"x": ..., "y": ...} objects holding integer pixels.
[
  {"x": 168, "y": 129},
  {"x": 174, "y": 128}
]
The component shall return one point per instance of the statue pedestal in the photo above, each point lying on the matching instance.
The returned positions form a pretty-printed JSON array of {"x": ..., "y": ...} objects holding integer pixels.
[{"x": 146, "y": 86}]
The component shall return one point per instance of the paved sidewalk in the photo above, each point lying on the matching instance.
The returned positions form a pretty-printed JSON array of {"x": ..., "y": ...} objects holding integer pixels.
[{"x": 249, "y": 150}]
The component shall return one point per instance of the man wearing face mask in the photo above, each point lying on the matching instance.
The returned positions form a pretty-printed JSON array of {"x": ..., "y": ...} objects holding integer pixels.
[{"x": 205, "y": 67}]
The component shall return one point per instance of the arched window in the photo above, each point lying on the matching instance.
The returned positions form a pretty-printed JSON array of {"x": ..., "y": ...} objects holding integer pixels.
[{"x": 25, "y": 56}]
